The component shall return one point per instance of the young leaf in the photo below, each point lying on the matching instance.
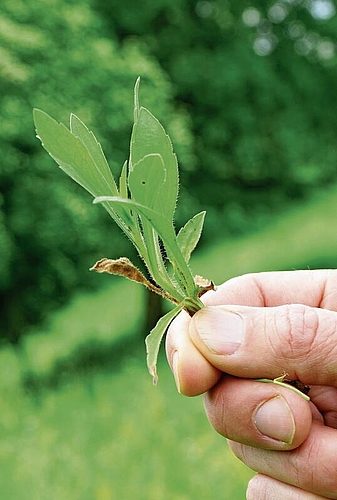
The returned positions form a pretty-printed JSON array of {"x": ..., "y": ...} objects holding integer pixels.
[
  {"x": 94, "y": 149},
  {"x": 166, "y": 232},
  {"x": 146, "y": 181},
  {"x": 136, "y": 100},
  {"x": 72, "y": 156},
  {"x": 82, "y": 159},
  {"x": 153, "y": 340},
  {"x": 123, "y": 188},
  {"x": 189, "y": 235},
  {"x": 149, "y": 137}
]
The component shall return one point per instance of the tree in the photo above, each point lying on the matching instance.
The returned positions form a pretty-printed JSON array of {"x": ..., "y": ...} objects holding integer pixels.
[
  {"x": 257, "y": 79},
  {"x": 57, "y": 57}
]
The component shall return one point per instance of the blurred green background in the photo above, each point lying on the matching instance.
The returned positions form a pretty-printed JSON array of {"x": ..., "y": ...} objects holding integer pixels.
[{"x": 246, "y": 90}]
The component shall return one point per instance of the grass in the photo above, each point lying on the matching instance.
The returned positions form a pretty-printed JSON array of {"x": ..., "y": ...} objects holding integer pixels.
[
  {"x": 106, "y": 434},
  {"x": 113, "y": 436},
  {"x": 91, "y": 322},
  {"x": 304, "y": 237}
]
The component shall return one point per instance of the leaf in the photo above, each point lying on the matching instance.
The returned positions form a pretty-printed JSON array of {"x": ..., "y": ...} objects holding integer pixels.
[
  {"x": 123, "y": 188},
  {"x": 89, "y": 141},
  {"x": 136, "y": 100},
  {"x": 153, "y": 340},
  {"x": 147, "y": 187},
  {"x": 146, "y": 181},
  {"x": 72, "y": 155},
  {"x": 166, "y": 232},
  {"x": 122, "y": 266},
  {"x": 149, "y": 137},
  {"x": 91, "y": 171},
  {"x": 189, "y": 235}
]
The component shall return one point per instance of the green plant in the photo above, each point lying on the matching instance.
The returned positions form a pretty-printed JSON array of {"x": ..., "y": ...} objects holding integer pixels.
[{"x": 143, "y": 206}]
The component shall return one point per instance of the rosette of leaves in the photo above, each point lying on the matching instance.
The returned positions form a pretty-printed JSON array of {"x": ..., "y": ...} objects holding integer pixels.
[{"x": 142, "y": 204}]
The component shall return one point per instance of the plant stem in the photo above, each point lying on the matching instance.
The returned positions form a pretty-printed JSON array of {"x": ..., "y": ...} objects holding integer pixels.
[
  {"x": 192, "y": 305},
  {"x": 280, "y": 381}
]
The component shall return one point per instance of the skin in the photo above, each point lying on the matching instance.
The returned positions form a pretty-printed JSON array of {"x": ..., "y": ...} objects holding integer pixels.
[{"x": 289, "y": 324}]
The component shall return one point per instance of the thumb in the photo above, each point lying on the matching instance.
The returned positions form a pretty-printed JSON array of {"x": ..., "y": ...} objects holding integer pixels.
[{"x": 254, "y": 342}]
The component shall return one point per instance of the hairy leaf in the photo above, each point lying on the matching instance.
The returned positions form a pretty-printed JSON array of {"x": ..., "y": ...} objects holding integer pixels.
[
  {"x": 136, "y": 100},
  {"x": 93, "y": 147},
  {"x": 146, "y": 182},
  {"x": 153, "y": 340},
  {"x": 149, "y": 137},
  {"x": 72, "y": 155},
  {"x": 166, "y": 232},
  {"x": 123, "y": 188},
  {"x": 189, "y": 235}
]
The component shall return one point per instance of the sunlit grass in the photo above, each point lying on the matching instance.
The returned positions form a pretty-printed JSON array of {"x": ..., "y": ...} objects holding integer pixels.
[
  {"x": 304, "y": 237},
  {"x": 113, "y": 436},
  {"x": 90, "y": 321}
]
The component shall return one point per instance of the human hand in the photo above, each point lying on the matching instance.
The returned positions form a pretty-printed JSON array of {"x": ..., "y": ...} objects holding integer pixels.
[{"x": 272, "y": 323}]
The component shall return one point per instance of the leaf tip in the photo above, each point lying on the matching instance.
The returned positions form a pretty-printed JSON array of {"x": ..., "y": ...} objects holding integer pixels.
[
  {"x": 136, "y": 99},
  {"x": 154, "y": 375}
]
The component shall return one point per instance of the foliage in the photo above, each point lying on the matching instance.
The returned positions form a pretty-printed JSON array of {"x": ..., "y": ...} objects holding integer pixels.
[
  {"x": 55, "y": 54},
  {"x": 142, "y": 205},
  {"x": 258, "y": 95}
]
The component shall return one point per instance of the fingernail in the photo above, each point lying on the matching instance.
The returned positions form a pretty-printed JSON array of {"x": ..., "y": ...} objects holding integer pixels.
[
  {"x": 220, "y": 329},
  {"x": 275, "y": 419},
  {"x": 175, "y": 369}
]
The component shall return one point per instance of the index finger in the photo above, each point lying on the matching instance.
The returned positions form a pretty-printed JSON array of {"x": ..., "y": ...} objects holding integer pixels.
[
  {"x": 315, "y": 288},
  {"x": 194, "y": 374}
]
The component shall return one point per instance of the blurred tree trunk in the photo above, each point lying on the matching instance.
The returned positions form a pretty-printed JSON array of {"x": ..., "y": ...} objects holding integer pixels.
[{"x": 12, "y": 321}]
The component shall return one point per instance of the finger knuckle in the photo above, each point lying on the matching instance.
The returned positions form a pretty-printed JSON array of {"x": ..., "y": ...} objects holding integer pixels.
[
  {"x": 303, "y": 338},
  {"x": 298, "y": 329}
]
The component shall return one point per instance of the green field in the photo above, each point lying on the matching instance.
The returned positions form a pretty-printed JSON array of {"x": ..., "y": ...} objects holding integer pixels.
[
  {"x": 80, "y": 421},
  {"x": 113, "y": 436}
]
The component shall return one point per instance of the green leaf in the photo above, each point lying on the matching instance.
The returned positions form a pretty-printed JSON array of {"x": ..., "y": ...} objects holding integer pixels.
[
  {"x": 149, "y": 137},
  {"x": 164, "y": 228},
  {"x": 153, "y": 340},
  {"x": 136, "y": 100},
  {"x": 189, "y": 235},
  {"x": 72, "y": 155},
  {"x": 93, "y": 147},
  {"x": 146, "y": 181},
  {"x": 123, "y": 188}
]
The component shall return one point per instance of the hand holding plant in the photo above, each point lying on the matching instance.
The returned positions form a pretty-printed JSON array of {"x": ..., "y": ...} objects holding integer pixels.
[
  {"x": 143, "y": 205},
  {"x": 281, "y": 321}
]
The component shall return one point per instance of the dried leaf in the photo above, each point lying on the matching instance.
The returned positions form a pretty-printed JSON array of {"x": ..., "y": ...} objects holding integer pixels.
[
  {"x": 204, "y": 285},
  {"x": 122, "y": 267}
]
